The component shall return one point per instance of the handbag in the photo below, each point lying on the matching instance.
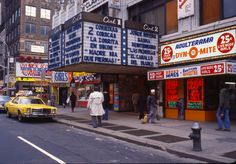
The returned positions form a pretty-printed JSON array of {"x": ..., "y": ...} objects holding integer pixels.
[{"x": 68, "y": 100}]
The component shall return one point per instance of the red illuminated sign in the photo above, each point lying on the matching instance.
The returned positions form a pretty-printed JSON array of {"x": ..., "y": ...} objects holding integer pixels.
[
  {"x": 195, "y": 94},
  {"x": 171, "y": 93}
]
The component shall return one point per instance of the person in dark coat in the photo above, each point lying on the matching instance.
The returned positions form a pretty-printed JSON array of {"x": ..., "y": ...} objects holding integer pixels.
[
  {"x": 152, "y": 106},
  {"x": 73, "y": 101},
  {"x": 105, "y": 105},
  {"x": 141, "y": 106},
  {"x": 223, "y": 109}
]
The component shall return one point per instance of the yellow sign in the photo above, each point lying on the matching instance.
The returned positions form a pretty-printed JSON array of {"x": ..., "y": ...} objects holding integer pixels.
[
  {"x": 81, "y": 73},
  {"x": 30, "y": 79}
]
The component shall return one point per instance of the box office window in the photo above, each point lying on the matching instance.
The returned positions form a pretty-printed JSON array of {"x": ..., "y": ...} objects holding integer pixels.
[
  {"x": 215, "y": 10},
  {"x": 162, "y": 13}
]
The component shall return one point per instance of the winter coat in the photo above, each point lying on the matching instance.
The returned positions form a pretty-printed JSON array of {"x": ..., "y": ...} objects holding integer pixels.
[
  {"x": 73, "y": 100},
  {"x": 95, "y": 104},
  {"x": 224, "y": 98}
]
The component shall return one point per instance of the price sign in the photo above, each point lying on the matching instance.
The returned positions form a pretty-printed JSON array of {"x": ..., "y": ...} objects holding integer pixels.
[{"x": 212, "y": 69}]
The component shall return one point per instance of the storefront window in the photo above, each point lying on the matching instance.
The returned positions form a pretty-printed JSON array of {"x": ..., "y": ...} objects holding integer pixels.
[
  {"x": 84, "y": 92},
  {"x": 215, "y": 10},
  {"x": 195, "y": 94}
]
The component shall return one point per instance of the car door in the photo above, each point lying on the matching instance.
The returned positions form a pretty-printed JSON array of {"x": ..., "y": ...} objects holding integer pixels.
[{"x": 13, "y": 106}]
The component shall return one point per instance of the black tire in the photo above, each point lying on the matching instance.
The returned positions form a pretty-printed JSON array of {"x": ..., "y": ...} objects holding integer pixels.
[
  {"x": 20, "y": 117},
  {"x": 8, "y": 114}
]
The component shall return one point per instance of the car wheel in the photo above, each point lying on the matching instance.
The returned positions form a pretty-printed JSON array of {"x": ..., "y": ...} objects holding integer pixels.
[
  {"x": 20, "y": 118},
  {"x": 8, "y": 114}
]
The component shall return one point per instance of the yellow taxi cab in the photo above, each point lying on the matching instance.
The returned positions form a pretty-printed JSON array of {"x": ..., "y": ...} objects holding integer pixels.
[{"x": 29, "y": 107}]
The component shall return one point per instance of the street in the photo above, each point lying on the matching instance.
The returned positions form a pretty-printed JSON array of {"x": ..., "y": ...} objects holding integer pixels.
[{"x": 51, "y": 142}]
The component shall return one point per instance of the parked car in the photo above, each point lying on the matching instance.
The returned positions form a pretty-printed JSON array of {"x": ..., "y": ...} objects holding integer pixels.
[
  {"x": 29, "y": 107},
  {"x": 3, "y": 100}
]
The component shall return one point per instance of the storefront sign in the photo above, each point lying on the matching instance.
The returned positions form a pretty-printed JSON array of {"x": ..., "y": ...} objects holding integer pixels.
[
  {"x": 73, "y": 40},
  {"x": 159, "y": 75},
  {"x": 60, "y": 77},
  {"x": 195, "y": 93},
  {"x": 32, "y": 69},
  {"x": 202, "y": 48},
  {"x": 102, "y": 41},
  {"x": 90, "y": 5},
  {"x": 213, "y": 69},
  {"x": 88, "y": 78},
  {"x": 185, "y": 8},
  {"x": 54, "y": 47},
  {"x": 142, "y": 44},
  {"x": 231, "y": 68},
  {"x": 37, "y": 49}
]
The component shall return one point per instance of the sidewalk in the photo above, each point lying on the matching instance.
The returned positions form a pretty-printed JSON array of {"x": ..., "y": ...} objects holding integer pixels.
[{"x": 167, "y": 135}]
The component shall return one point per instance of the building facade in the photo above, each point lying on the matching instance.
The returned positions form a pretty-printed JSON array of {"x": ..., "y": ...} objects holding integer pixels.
[
  {"x": 27, "y": 25},
  {"x": 192, "y": 33}
]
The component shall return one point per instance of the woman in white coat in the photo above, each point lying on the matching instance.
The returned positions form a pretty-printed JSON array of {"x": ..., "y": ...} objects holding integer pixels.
[{"x": 95, "y": 101}]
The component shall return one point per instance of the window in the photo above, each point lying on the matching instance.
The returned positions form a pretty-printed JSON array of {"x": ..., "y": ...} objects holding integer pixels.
[
  {"x": 30, "y": 11},
  {"x": 44, "y": 30},
  {"x": 229, "y": 8},
  {"x": 28, "y": 45},
  {"x": 215, "y": 10},
  {"x": 210, "y": 11},
  {"x": 30, "y": 28},
  {"x": 161, "y": 13},
  {"x": 171, "y": 17},
  {"x": 45, "y": 13}
]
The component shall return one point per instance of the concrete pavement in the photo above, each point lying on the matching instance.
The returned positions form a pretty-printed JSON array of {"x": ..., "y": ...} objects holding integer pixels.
[{"x": 167, "y": 134}]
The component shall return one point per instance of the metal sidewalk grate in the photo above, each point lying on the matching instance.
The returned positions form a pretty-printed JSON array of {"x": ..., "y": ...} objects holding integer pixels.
[
  {"x": 168, "y": 138},
  {"x": 231, "y": 154},
  {"x": 108, "y": 124},
  {"x": 117, "y": 128},
  {"x": 141, "y": 132}
]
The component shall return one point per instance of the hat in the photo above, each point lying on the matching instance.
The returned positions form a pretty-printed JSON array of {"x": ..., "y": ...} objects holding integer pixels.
[{"x": 153, "y": 91}]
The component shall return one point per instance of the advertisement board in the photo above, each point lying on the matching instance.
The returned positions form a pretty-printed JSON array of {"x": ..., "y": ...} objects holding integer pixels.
[
  {"x": 206, "y": 69},
  {"x": 142, "y": 44},
  {"x": 60, "y": 77},
  {"x": 73, "y": 40},
  {"x": 55, "y": 47},
  {"x": 102, "y": 41},
  {"x": 209, "y": 46},
  {"x": 231, "y": 68},
  {"x": 185, "y": 8},
  {"x": 32, "y": 70}
]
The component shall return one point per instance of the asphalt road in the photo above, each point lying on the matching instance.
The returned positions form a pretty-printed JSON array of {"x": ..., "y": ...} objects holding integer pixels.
[{"x": 51, "y": 142}]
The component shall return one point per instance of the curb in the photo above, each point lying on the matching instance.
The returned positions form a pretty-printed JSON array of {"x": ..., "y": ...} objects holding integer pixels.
[{"x": 140, "y": 143}]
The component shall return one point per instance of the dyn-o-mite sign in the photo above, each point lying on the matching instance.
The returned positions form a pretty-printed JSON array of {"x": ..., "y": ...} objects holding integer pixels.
[
  {"x": 206, "y": 47},
  {"x": 102, "y": 43}
]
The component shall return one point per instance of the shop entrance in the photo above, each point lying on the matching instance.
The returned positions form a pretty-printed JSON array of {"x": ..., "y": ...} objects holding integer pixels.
[{"x": 63, "y": 95}]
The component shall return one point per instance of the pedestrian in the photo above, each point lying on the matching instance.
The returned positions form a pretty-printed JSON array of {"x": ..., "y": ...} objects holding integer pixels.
[
  {"x": 223, "y": 109},
  {"x": 105, "y": 105},
  {"x": 72, "y": 101},
  {"x": 95, "y": 101},
  {"x": 53, "y": 99},
  {"x": 152, "y": 106},
  {"x": 135, "y": 98},
  {"x": 64, "y": 98},
  {"x": 141, "y": 106}
]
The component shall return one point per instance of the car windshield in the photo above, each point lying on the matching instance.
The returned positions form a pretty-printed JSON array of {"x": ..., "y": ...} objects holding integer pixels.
[
  {"x": 30, "y": 101},
  {"x": 5, "y": 98}
]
